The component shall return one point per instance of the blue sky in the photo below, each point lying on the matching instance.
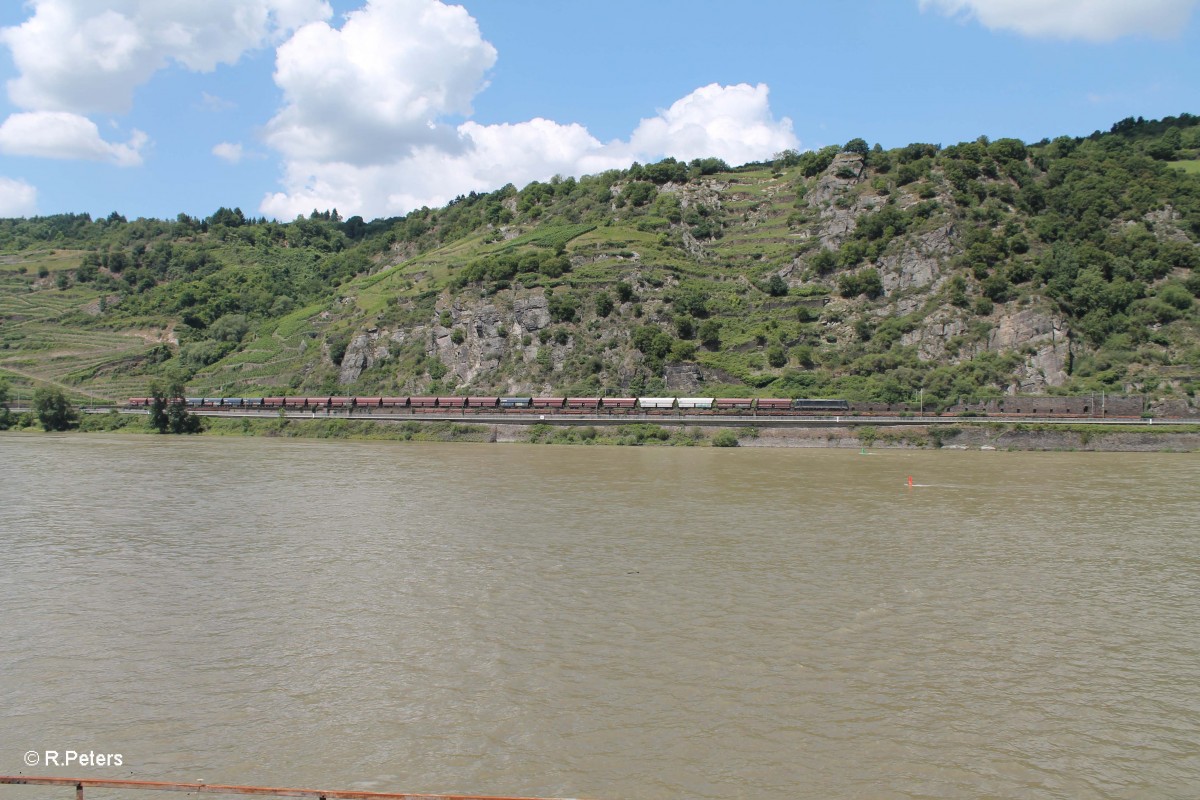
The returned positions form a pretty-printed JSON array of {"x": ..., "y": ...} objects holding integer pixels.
[{"x": 156, "y": 107}]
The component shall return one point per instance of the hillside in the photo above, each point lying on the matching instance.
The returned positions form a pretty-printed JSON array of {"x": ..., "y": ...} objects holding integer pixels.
[{"x": 983, "y": 268}]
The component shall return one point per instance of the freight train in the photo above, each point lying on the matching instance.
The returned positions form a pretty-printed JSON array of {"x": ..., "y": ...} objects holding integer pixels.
[
  {"x": 540, "y": 405},
  {"x": 1126, "y": 406}
]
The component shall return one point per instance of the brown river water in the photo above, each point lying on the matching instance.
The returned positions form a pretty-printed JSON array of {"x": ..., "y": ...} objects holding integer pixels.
[{"x": 601, "y": 622}]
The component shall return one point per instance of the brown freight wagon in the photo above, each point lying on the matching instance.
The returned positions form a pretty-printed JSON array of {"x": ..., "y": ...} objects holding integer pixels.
[
  {"x": 582, "y": 405},
  {"x": 620, "y": 405},
  {"x": 734, "y": 405},
  {"x": 478, "y": 404},
  {"x": 774, "y": 405}
]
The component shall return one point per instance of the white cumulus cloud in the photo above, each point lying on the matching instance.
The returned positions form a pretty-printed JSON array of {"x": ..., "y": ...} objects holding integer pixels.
[
  {"x": 228, "y": 151},
  {"x": 729, "y": 122},
  {"x": 86, "y": 57},
  {"x": 378, "y": 87},
  {"x": 1090, "y": 20},
  {"x": 58, "y": 134},
  {"x": 733, "y": 123},
  {"x": 17, "y": 198},
  {"x": 366, "y": 126},
  {"x": 486, "y": 158}
]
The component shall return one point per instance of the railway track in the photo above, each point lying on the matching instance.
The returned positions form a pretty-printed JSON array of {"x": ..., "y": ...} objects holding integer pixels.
[{"x": 700, "y": 420}]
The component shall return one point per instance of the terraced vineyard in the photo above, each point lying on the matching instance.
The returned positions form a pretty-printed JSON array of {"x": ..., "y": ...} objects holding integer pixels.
[{"x": 45, "y": 338}]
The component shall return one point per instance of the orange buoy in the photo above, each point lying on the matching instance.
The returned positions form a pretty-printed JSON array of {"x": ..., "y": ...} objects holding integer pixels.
[{"x": 910, "y": 481}]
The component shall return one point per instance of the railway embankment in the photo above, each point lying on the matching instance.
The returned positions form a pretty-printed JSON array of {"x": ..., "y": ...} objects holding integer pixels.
[
  {"x": 1133, "y": 436},
  {"x": 967, "y": 436}
]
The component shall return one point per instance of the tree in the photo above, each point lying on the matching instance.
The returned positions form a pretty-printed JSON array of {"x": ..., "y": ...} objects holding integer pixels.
[
  {"x": 856, "y": 146},
  {"x": 709, "y": 334},
  {"x": 639, "y": 193},
  {"x": 825, "y": 261},
  {"x": 777, "y": 286},
  {"x": 685, "y": 326},
  {"x": 53, "y": 410},
  {"x": 5, "y": 417},
  {"x": 604, "y": 304},
  {"x": 168, "y": 410},
  {"x": 865, "y": 282},
  {"x": 786, "y": 158},
  {"x": 563, "y": 307},
  {"x": 229, "y": 328}
]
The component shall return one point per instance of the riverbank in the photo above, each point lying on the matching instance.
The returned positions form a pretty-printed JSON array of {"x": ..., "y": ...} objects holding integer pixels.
[
  {"x": 967, "y": 435},
  {"x": 992, "y": 436}
]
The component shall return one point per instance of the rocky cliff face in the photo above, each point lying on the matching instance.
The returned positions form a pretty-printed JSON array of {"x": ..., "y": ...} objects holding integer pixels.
[
  {"x": 364, "y": 351},
  {"x": 1044, "y": 341},
  {"x": 1041, "y": 337},
  {"x": 505, "y": 337},
  {"x": 839, "y": 206},
  {"x": 920, "y": 264},
  {"x": 489, "y": 334}
]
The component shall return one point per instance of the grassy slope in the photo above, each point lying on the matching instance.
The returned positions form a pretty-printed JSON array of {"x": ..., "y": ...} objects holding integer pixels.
[{"x": 46, "y": 337}]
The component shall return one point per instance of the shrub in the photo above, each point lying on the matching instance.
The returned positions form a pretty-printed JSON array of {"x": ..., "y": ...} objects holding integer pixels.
[
  {"x": 865, "y": 282},
  {"x": 725, "y": 438},
  {"x": 685, "y": 326},
  {"x": 683, "y": 351},
  {"x": 638, "y": 193},
  {"x": 200, "y": 354},
  {"x": 229, "y": 328},
  {"x": 825, "y": 261},
  {"x": 563, "y": 307},
  {"x": 710, "y": 334},
  {"x": 1177, "y": 296},
  {"x": 604, "y": 304}
]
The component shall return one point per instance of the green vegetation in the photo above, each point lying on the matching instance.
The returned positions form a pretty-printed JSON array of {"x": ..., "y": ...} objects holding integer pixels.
[
  {"x": 5, "y": 414},
  {"x": 169, "y": 412},
  {"x": 53, "y": 411},
  {"x": 637, "y": 434},
  {"x": 725, "y": 438},
  {"x": 349, "y": 429},
  {"x": 1068, "y": 265}
]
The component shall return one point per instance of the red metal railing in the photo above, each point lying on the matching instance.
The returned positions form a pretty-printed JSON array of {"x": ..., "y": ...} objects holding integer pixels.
[{"x": 221, "y": 788}]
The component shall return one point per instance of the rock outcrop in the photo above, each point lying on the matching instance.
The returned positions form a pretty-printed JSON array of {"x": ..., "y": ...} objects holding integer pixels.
[
  {"x": 919, "y": 265},
  {"x": 1044, "y": 339}
]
